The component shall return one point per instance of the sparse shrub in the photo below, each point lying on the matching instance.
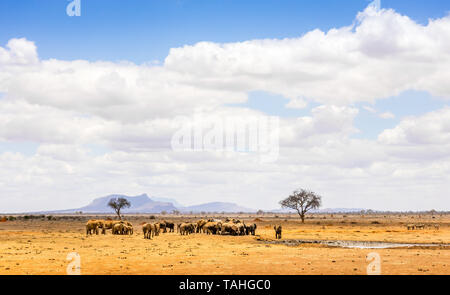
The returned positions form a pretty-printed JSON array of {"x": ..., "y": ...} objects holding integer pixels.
[
  {"x": 375, "y": 222},
  {"x": 152, "y": 217},
  {"x": 49, "y": 217},
  {"x": 11, "y": 218}
]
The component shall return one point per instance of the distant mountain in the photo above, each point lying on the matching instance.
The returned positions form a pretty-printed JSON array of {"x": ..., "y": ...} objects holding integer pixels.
[
  {"x": 327, "y": 210},
  {"x": 216, "y": 207},
  {"x": 167, "y": 200},
  {"x": 144, "y": 204},
  {"x": 139, "y": 204}
]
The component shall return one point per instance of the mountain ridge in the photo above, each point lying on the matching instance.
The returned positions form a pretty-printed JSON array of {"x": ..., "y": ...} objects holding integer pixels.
[{"x": 144, "y": 204}]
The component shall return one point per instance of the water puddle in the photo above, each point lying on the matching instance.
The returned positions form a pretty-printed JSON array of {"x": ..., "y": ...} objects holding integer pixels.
[{"x": 355, "y": 244}]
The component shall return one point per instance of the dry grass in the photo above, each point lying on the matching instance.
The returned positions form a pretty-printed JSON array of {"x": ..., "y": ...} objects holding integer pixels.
[{"x": 41, "y": 247}]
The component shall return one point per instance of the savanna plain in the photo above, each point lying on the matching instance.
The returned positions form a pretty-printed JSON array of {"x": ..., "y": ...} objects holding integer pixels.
[{"x": 41, "y": 246}]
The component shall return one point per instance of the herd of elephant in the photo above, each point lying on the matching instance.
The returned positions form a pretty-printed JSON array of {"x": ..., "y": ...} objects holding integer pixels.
[
  {"x": 210, "y": 227},
  {"x": 117, "y": 227}
]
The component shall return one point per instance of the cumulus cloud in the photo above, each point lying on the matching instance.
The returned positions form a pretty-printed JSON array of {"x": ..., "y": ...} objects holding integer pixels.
[
  {"x": 381, "y": 55},
  {"x": 19, "y": 52},
  {"x": 431, "y": 128}
]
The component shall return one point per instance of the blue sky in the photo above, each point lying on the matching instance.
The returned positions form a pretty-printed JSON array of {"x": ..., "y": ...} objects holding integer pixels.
[{"x": 145, "y": 30}]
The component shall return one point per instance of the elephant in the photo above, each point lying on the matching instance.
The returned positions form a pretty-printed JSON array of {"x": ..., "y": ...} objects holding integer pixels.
[
  {"x": 251, "y": 229},
  {"x": 101, "y": 225},
  {"x": 145, "y": 229},
  {"x": 148, "y": 230},
  {"x": 187, "y": 228},
  {"x": 277, "y": 231},
  {"x": 183, "y": 229},
  {"x": 411, "y": 226},
  {"x": 118, "y": 229},
  {"x": 157, "y": 229},
  {"x": 212, "y": 227},
  {"x": 127, "y": 230},
  {"x": 129, "y": 227},
  {"x": 192, "y": 228},
  {"x": 92, "y": 227},
  {"x": 229, "y": 228},
  {"x": 162, "y": 226},
  {"x": 170, "y": 226},
  {"x": 241, "y": 229},
  {"x": 108, "y": 224},
  {"x": 420, "y": 226},
  {"x": 200, "y": 224}
]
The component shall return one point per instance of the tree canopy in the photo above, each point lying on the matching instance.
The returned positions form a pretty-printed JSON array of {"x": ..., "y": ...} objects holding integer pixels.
[
  {"x": 302, "y": 201},
  {"x": 118, "y": 203}
]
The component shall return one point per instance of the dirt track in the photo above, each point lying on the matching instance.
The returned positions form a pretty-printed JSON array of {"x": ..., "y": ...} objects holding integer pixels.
[{"x": 41, "y": 247}]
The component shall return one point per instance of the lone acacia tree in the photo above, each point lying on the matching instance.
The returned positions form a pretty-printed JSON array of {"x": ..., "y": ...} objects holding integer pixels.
[
  {"x": 302, "y": 201},
  {"x": 117, "y": 204}
]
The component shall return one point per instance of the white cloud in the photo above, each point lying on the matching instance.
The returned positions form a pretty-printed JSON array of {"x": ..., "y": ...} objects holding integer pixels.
[
  {"x": 21, "y": 52},
  {"x": 344, "y": 65},
  {"x": 431, "y": 128},
  {"x": 387, "y": 115}
]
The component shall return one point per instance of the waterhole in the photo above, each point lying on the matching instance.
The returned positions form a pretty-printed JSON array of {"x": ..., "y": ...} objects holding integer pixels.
[{"x": 355, "y": 244}]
